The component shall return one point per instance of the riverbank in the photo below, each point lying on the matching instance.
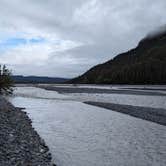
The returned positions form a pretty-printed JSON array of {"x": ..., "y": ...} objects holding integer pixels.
[{"x": 20, "y": 144}]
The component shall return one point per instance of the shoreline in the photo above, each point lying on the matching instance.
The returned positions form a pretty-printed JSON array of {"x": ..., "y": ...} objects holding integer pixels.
[{"x": 20, "y": 144}]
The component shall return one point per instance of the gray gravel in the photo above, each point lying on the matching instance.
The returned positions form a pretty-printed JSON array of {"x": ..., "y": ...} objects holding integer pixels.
[
  {"x": 20, "y": 145},
  {"x": 155, "y": 115},
  {"x": 99, "y": 91}
]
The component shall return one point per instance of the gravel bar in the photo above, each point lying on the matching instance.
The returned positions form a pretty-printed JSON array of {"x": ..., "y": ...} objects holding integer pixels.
[
  {"x": 99, "y": 91},
  {"x": 155, "y": 115},
  {"x": 20, "y": 144}
]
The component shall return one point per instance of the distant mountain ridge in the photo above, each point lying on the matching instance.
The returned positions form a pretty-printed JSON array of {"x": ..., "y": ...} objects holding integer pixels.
[
  {"x": 145, "y": 64},
  {"x": 37, "y": 79}
]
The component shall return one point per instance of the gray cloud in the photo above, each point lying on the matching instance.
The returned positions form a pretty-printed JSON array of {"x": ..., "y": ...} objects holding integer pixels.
[{"x": 101, "y": 28}]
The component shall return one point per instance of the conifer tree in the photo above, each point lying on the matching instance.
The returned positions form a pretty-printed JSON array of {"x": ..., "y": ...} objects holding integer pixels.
[{"x": 6, "y": 82}]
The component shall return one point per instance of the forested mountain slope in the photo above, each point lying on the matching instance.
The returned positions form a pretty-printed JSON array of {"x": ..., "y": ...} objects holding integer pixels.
[
  {"x": 146, "y": 64},
  {"x": 36, "y": 79}
]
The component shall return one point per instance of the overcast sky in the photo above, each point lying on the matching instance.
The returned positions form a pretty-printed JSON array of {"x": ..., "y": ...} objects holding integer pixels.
[{"x": 64, "y": 38}]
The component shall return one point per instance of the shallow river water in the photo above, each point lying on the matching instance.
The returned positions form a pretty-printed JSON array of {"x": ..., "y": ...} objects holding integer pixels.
[{"x": 82, "y": 135}]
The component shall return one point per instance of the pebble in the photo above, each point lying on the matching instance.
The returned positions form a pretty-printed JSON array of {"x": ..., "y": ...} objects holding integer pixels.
[{"x": 20, "y": 144}]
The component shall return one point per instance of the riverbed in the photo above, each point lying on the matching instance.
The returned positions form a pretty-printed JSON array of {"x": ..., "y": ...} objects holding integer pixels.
[{"x": 82, "y": 135}]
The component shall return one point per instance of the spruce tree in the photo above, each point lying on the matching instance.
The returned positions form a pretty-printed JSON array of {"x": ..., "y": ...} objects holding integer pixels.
[{"x": 6, "y": 82}]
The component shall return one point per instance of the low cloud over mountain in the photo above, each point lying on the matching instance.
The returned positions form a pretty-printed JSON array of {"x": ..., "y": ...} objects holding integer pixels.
[{"x": 65, "y": 38}]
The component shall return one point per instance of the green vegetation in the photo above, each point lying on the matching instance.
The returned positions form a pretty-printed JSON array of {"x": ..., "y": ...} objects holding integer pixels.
[
  {"x": 146, "y": 64},
  {"x": 6, "y": 82}
]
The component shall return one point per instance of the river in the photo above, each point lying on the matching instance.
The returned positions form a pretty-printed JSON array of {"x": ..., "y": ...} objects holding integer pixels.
[{"x": 83, "y": 135}]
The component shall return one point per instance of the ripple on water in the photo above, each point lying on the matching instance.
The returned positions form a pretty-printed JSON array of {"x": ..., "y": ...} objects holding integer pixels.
[{"x": 83, "y": 135}]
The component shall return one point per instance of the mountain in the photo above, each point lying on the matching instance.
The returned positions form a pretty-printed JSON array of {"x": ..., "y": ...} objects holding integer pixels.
[
  {"x": 36, "y": 79},
  {"x": 145, "y": 64}
]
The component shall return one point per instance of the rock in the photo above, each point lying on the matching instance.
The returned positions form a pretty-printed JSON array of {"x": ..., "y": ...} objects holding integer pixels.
[{"x": 20, "y": 144}]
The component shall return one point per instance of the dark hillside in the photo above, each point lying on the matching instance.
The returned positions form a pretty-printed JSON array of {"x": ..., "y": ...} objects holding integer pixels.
[
  {"x": 34, "y": 79},
  {"x": 146, "y": 64}
]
